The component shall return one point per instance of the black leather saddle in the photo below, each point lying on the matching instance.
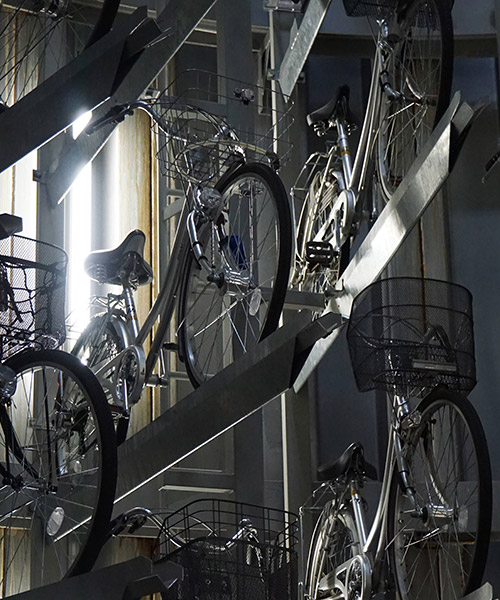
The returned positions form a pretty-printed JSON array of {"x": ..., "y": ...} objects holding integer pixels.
[
  {"x": 9, "y": 224},
  {"x": 352, "y": 460},
  {"x": 124, "y": 264},
  {"x": 337, "y": 107}
]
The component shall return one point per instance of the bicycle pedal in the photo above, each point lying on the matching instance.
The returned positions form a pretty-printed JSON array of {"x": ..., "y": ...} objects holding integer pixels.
[{"x": 319, "y": 253}]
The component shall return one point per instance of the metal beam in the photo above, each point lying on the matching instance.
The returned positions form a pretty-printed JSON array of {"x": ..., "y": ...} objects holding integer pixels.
[
  {"x": 225, "y": 400},
  {"x": 177, "y": 21},
  {"x": 81, "y": 85},
  {"x": 110, "y": 583},
  {"x": 301, "y": 44},
  {"x": 420, "y": 186}
]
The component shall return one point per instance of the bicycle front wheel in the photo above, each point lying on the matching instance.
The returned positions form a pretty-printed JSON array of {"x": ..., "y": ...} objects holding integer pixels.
[
  {"x": 330, "y": 572},
  {"x": 419, "y": 68},
  {"x": 39, "y": 37},
  {"x": 58, "y": 465},
  {"x": 251, "y": 244},
  {"x": 438, "y": 550}
]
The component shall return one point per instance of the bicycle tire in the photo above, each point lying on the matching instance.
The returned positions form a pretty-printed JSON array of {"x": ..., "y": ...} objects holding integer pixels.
[
  {"x": 420, "y": 71},
  {"x": 31, "y": 32},
  {"x": 431, "y": 551},
  {"x": 219, "y": 323},
  {"x": 101, "y": 341},
  {"x": 58, "y": 446},
  {"x": 334, "y": 541}
]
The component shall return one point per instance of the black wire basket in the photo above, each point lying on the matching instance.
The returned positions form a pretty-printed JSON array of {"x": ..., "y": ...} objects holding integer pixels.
[
  {"x": 221, "y": 563},
  {"x": 214, "y": 122},
  {"x": 370, "y": 8},
  {"x": 32, "y": 295},
  {"x": 409, "y": 332}
]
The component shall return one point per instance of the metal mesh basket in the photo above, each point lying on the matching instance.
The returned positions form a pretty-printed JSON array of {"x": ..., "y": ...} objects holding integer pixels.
[
  {"x": 370, "y": 8},
  {"x": 213, "y": 122},
  {"x": 217, "y": 564},
  {"x": 32, "y": 293},
  {"x": 408, "y": 332}
]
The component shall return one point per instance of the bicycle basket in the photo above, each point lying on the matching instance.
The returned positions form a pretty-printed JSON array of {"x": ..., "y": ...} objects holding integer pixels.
[
  {"x": 370, "y": 8},
  {"x": 213, "y": 122},
  {"x": 408, "y": 332},
  {"x": 219, "y": 563},
  {"x": 32, "y": 293}
]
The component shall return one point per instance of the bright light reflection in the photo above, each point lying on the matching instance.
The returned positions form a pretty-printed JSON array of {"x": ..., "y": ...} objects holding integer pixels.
[
  {"x": 79, "y": 125},
  {"x": 78, "y": 247}
]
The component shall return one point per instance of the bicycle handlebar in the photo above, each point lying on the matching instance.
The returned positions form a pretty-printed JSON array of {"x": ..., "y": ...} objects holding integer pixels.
[{"x": 117, "y": 114}]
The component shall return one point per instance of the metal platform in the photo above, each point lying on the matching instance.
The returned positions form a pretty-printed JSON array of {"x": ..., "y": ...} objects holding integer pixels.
[{"x": 130, "y": 580}]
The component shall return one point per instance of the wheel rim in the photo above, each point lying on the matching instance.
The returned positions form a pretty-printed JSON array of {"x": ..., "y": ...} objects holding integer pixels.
[
  {"x": 38, "y": 38},
  {"x": 335, "y": 544},
  {"x": 415, "y": 70},
  {"x": 319, "y": 278},
  {"x": 51, "y": 443},
  {"x": 434, "y": 554},
  {"x": 221, "y": 322},
  {"x": 97, "y": 344}
]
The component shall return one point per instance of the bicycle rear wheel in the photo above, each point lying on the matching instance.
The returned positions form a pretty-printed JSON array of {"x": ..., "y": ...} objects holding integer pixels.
[
  {"x": 329, "y": 571},
  {"x": 39, "y": 37},
  {"x": 441, "y": 552},
  {"x": 98, "y": 344},
  {"x": 419, "y": 70},
  {"x": 251, "y": 242},
  {"x": 58, "y": 462}
]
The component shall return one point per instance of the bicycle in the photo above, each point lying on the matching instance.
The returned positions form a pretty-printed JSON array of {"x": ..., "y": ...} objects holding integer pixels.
[
  {"x": 429, "y": 536},
  {"x": 226, "y": 549},
  {"x": 409, "y": 92},
  {"x": 230, "y": 259},
  {"x": 57, "y": 449}
]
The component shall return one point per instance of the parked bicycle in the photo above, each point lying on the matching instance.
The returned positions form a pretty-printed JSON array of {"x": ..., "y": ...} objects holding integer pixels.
[
  {"x": 57, "y": 448},
  {"x": 430, "y": 533},
  {"x": 226, "y": 549},
  {"x": 409, "y": 92},
  {"x": 229, "y": 264}
]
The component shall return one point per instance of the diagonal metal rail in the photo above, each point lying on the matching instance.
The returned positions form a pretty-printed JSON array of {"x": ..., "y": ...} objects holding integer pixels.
[
  {"x": 176, "y": 22},
  {"x": 236, "y": 392}
]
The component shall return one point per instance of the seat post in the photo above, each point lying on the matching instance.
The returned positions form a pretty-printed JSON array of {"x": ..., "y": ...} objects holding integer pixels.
[
  {"x": 130, "y": 309},
  {"x": 345, "y": 152}
]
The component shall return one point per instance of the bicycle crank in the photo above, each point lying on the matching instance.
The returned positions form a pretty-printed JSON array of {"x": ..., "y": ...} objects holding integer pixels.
[{"x": 353, "y": 579}]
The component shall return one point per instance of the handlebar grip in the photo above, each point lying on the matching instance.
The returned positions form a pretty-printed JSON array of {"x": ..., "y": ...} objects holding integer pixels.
[
  {"x": 115, "y": 115},
  {"x": 492, "y": 161}
]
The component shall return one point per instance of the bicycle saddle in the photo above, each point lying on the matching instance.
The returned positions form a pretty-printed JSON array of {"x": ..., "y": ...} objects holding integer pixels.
[
  {"x": 338, "y": 106},
  {"x": 9, "y": 224},
  {"x": 122, "y": 264},
  {"x": 353, "y": 459}
]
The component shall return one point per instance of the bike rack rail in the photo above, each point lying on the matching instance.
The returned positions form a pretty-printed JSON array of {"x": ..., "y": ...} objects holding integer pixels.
[{"x": 130, "y": 580}]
